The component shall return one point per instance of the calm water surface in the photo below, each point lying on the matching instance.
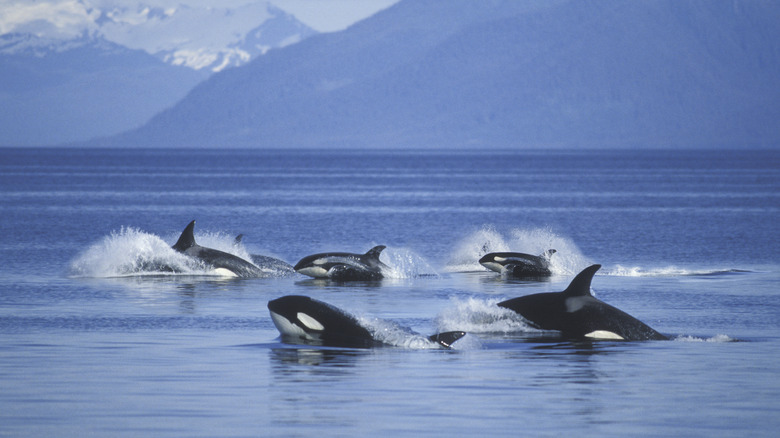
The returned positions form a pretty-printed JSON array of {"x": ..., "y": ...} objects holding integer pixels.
[{"x": 89, "y": 345}]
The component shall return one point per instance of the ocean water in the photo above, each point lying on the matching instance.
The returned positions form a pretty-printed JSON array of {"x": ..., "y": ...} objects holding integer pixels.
[{"x": 94, "y": 344}]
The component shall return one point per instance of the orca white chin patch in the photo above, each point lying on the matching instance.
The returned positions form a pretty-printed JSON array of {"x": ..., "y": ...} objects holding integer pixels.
[
  {"x": 314, "y": 271},
  {"x": 224, "y": 272},
  {"x": 493, "y": 266},
  {"x": 309, "y": 322},
  {"x": 604, "y": 334},
  {"x": 286, "y": 327}
]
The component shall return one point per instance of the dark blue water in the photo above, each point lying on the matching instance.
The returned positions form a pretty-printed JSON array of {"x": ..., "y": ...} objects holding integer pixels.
[{"x": 91, "y": 344}]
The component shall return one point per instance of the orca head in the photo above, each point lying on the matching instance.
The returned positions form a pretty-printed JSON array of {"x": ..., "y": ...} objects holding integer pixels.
[
  {"x": 293, "y": 315},
  {"x": 313, "y": 266},
  {"x": 302, "y": 317},
  {"x": 342, "y": 265},
  {"x": 187, "y": 238},
  {"x": 493, "y": 261}
]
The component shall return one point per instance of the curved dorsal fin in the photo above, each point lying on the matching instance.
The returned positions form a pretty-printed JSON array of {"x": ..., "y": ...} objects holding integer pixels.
[
  {"x": 446, "y": 339},
  {"x": 187, "y": 238},
  {"x": 580, "y": 286},
  {"x": 374, "y": 252}
]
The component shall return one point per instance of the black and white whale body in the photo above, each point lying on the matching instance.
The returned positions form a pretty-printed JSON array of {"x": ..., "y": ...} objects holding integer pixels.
[
  {"x": 280, "y": 267},
  {"x": 344, "y": 266},
  {"x": 301, "y": 319},
  {"x": 222, "y": 262},
  {"x": 517, "y": 264},
  {"x": 577, "y": 314}
]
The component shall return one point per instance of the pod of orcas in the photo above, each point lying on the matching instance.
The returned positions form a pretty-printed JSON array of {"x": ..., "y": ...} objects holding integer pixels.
[{"x": 574, "y": 312}]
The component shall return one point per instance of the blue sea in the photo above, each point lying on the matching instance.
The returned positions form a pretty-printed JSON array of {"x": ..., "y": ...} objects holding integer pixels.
[{"x": 94, "y": 344}]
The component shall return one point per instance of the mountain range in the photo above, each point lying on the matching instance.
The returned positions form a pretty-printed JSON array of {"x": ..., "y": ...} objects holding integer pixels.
[
  {"x": 501, "y": 74},
  {"x": 115, "y": 68}
]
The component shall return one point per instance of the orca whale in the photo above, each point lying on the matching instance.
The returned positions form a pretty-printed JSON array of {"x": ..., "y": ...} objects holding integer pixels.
[
  {"x": 577, "y": 314},
  {"x": 343, "y": 265},
  {"x": 267, "y": 262},
  {"x": 301, "y": 319},
  {"x": 222, "y": 262},
  {"x": 516, "y": 264}
]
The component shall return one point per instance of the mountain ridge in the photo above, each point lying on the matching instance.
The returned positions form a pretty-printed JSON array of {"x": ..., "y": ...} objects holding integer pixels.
[{"x": 501, "y": 74}]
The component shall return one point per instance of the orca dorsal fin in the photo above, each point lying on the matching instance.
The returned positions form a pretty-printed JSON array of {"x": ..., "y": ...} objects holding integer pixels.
[
  {"x": 547, "y": 254},
  {"x": 187, "y": 238},
  {"x": 580, "y": 286},
  {"x": 446, "y": 339},
  {"x": 238, "y": 239},
  {"x": 374, "y": 252}
]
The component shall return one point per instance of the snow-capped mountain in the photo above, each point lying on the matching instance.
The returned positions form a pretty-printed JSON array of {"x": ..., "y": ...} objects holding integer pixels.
[
  {"x": 71, "y": 74},
  {"x": 212, "y": 38},
  {"x": 502, "y": 74},
  {"x": 204, "y": 37}
]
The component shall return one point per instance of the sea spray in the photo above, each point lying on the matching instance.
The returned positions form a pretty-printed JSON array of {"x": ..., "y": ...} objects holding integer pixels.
[
  {"x": 480, "y": 316},
  {"x": 568, "y": 259},
  {"x": 405, "y": 263},
  {"x": 130, "y": 251},
  {"x": 465, "y": 257}
]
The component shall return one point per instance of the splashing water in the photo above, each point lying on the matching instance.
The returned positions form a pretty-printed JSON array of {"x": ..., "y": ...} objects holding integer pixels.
[
  {"x": 396, "y": 335},
  {"x": 466, "y": 255},
  {"x": 391, "y": 333},
  {"x": 131, "y": 252},
  {"x": 567, "y": 260},
  {"x": 714, "y": 339},
  {"x": 405, "y": 263},
  {"x": 668, "y": 271},
  {"x": 481, "y": 316}
]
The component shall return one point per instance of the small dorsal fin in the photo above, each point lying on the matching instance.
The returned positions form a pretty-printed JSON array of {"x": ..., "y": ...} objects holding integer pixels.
[
  {"x": 238, "y": 239},
  {"x": 580, "y": 286},
  {"x": 187, "y": 238},
  {"x": 547, "y": 254},
  {"x": 446, "y": 339},
  {"x": 374, "y": 252}
]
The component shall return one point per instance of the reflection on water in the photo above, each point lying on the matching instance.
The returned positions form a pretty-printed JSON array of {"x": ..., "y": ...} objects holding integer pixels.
[{"x": 323, "y": 361}]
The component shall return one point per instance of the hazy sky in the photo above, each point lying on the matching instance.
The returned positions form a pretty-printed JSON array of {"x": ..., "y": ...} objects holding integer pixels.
[
  {"x": 321, "y": 15},
  {"x": 330, "y": 15}
]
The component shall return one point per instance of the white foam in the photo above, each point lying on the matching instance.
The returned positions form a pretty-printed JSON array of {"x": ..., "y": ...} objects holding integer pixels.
[
  {"x": 465, "y": 257},
  {"x": 568, "y": 259},
  {"x": 391, "y": 333},
  {"x": 715, "y": 339},
  {"x": 405, "y": 263},
  {"x": 666, "y": 271},
  {"x": 480, "y": 316},
  {"x": 131, "y": 252}
]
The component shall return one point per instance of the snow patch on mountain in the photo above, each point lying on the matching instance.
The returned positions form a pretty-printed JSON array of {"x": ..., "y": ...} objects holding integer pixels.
[{"x": 198, "y": 37}]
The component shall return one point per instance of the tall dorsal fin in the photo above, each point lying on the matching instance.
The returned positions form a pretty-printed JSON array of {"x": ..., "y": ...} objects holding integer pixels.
[
  {"x": 374, "y": 252},
  {"x": 580, "y": 286},
  {"x": 187, "y": 238}
]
